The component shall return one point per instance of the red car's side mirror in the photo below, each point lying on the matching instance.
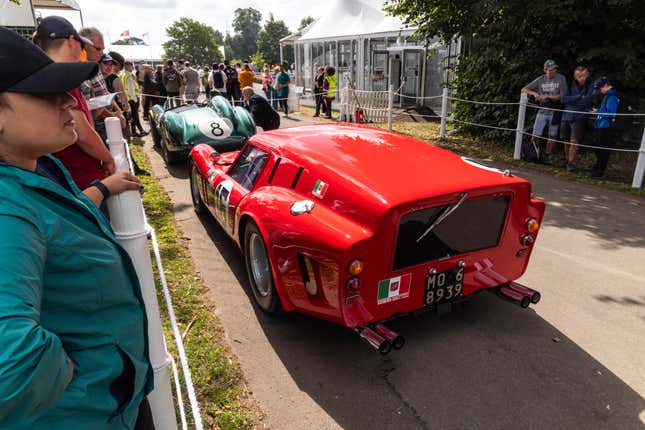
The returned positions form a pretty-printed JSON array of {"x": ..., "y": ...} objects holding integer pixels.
[{"x": 214, "y": 156}]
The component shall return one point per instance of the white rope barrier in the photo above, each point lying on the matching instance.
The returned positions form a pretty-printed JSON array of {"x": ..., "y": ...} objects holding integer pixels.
[
  {"x": 534, "y": 106},
  {"x": 579, "y": 144},
  {"x": 180, "y": 399},
  {"x": 376, "y": 107},
  {"x": 417, "y": 98},
  {"x": 484, "y": 103},
  {"x": 175, "y": 329}
]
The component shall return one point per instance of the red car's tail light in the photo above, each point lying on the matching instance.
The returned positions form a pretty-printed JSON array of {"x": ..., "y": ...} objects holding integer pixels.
[
  {"x": 355, "y": 267},
  {"x": 532, "y": 226},
  {"x": 353, "y": 285}
]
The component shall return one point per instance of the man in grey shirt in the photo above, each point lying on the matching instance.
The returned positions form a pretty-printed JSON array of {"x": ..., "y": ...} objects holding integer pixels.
[
  {"x": 548, "y": 90},
  {"x": 191, "y": 79}
]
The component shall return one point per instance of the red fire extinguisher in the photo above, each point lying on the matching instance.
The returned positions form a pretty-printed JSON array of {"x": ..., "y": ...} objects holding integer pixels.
[{"x": 358, "y": 115}]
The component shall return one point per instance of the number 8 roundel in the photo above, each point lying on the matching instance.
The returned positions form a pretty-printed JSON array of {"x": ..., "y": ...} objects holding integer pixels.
[{"x": 216, "y": 128}]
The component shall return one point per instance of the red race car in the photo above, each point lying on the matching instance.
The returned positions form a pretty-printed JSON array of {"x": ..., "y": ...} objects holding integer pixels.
[{"x": 357, "y": 225}]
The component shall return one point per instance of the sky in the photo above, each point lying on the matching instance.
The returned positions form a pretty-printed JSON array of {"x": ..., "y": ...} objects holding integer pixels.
[{"x": 113, "y": 17}]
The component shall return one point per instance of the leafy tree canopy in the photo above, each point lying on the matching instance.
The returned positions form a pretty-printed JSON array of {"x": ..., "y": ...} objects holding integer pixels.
[
  {"x": 246, "y": 24},
  {"x": 192, "y": 41},
  {"x": 506, "y": 42},
  {"x": 269, "y": 39},
  {"x": 304, "y": 22}
]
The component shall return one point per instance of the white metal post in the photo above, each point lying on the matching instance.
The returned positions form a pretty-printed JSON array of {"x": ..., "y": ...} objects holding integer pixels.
[
  {"x": 344, "y": 102},
  {"x": 390, "y": 106},
  {"x": 640, "y": 165},
  {"x": 129, "y": 224},
  {"x": 444, "y": 113},
  {"x": 519, "y": 131}
]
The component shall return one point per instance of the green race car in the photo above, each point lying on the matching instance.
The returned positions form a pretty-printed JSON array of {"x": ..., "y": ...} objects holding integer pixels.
[{"x": 177, "y": 127}]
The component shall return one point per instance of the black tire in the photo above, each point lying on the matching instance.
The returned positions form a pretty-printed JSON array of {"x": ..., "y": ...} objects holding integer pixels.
[
  {"x": 195, "y": 176},
  {"x": 169, "y": 157},
  {"x": 260, "y": 278},
  {"x": 156, "y": 137}
]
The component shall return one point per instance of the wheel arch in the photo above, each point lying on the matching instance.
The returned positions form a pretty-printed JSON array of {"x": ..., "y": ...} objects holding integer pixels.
[{"x": 245, "y": 219}]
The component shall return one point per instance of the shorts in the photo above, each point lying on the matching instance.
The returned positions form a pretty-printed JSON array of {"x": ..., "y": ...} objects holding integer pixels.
[
  {"x": 542, "y": 120},
  {"x": 573, "y": 130}
]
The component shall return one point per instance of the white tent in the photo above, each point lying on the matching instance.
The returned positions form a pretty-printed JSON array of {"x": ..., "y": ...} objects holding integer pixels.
[
  {"x": 139, "y": 53},
  {"x": 349, "y": 18},
  {"x": 372, "y": 51}
]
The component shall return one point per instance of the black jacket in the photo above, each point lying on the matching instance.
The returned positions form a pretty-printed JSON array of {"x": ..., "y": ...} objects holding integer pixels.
[{"x": 262, "y": 113}]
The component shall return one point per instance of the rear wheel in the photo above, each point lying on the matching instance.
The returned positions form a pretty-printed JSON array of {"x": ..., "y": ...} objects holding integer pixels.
[
  {"x": 258, "y": 267},
  {"x": 195, "y": 181}
]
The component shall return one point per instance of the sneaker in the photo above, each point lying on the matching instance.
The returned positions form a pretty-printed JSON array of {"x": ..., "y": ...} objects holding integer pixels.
[
  {"x": 546, "y": 160},
  {"x": 597, "y": 175},
  {"x": 570, "y": 167}
]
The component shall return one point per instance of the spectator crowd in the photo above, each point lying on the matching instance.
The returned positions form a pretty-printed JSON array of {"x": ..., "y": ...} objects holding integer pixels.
[{"x": 566, "y": 111}]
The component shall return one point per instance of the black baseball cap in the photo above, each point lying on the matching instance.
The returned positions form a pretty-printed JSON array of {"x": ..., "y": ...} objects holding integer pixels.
[
  {"x": 25, "y": 68},
  {"x": 117, "y": 57},
  {"x": 56, "y": 27}
]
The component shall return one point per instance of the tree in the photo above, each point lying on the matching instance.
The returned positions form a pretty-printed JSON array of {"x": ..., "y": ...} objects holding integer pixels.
[
  {"x": 219, "y": 37},
  {"x": 304, "y": 22},
  {"x": 192, "y": 41},
  {"x": 247, "y": 26},
  {"x": 269, "y": 39},
  {"x": 507, "y": 41}
]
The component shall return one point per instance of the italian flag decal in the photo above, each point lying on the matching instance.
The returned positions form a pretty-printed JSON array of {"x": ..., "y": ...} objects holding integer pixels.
[
  {"x": 393, "y": 289},
  {"x": 320, "y": 188}
]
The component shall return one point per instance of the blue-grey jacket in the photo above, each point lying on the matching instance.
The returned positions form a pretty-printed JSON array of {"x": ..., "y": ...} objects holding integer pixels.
[
  {"x": 68, "y": 291},
  {"x": 578, "y": 99},
  {"x": 608, "y": 107}
]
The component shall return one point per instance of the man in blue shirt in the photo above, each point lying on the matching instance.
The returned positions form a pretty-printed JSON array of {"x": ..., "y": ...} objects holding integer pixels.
[
  {"x": 580, "y": 99},
  {"x": 607, "y": 133}
]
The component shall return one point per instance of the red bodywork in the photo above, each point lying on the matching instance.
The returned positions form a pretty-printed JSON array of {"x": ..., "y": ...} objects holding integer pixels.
[{"x": 370, "y": 178}]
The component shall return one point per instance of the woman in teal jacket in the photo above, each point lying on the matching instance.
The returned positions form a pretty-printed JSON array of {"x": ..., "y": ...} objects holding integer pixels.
[{"x": 73, "y": 330}]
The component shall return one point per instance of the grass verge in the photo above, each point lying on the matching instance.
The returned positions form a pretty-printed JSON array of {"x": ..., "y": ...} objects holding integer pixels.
[
  {"x": 219, "y": 384},
  {"x": 619, "y": 173}
]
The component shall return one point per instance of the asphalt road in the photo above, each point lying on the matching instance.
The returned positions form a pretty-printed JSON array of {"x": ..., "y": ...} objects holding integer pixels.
[{"x": 575, "y": 361}]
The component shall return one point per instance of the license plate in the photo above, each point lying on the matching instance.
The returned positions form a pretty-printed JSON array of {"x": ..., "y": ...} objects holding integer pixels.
[{"x": 444, "y": 287}]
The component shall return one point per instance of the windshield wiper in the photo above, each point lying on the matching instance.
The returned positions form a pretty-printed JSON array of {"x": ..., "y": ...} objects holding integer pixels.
[{"x": 446, "y": 212}]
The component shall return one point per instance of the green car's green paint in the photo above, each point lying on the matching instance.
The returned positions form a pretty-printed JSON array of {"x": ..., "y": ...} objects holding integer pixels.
[{"x": 177, "y": 128}]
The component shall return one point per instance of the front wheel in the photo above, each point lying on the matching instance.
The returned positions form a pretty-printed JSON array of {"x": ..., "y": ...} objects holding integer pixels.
[
  {"x": 195, "y": 181},
  {"x": 156, "y": 137},
  {"x": 258, "y": 268},
  {"x": 168, "y": 156}
]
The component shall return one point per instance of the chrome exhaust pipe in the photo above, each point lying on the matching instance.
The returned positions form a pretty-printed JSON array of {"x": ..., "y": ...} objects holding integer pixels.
[
  {"x": 513, "y": 296},
  {"x": 533, "y": 295},
  {"x": 375, "y": 340},
  {"x": 396, "y": 340}
]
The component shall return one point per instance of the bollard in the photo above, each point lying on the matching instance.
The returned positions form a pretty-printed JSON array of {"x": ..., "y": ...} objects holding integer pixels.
[
  {"x": 640, "y": 165},
  {"x": 129, "y": 224},
  {"x": 519, "y": 131},
  {"x": 444, "y": 113},
  {"x": 390, "y": 106}
]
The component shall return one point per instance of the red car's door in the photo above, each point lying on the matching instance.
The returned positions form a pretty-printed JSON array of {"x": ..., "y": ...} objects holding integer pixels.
[{"x": 230, "y": 187}]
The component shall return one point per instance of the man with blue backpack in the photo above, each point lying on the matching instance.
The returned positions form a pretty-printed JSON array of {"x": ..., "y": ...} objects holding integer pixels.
[{"x": 608, "y": 125}]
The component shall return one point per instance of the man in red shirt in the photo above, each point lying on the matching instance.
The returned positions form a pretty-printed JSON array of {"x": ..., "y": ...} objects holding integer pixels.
[{"x": 88, "y": 159}]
